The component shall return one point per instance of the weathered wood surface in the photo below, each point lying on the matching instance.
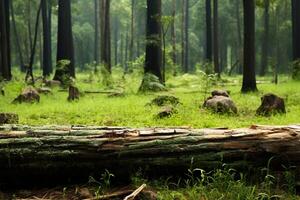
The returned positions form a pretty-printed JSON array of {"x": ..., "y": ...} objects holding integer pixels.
[{"x": 71, "y": 152}]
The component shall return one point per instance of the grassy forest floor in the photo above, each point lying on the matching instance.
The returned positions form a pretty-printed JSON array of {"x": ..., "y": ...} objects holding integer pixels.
[{"x": 131, "y": 111}]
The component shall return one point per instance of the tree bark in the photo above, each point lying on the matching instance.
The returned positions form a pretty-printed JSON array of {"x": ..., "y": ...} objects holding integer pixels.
[
  {"x": 186, "y": 42},
  {"x": 5, "y": 65},
  {"x": 29, "y": 70},
  {"x": 216, "y": 39},
  {"x": 96, "y": 45},
  {"x": 131, "y": 49},
  {"x": 106, "y": 42},
  {"x": 65, "y": 48},
  {"x": 173, "y": 35},
  {"x": 249, "y": 79},
  {"x": 265, "y": 41},
  {"x": 208, "y": 55},
  {"x": 153, "y": 62},
  {"x": 31, "y": 155},
  {"x": 47, "y": 68},
  {"x": 239, "y": 54},
  {"x": 17, "y": 38},
  {"x": 296, "y": 29}
]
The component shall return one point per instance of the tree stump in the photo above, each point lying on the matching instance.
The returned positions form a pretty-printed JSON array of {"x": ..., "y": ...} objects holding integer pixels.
[
  {"x": 271, "y": 104},
  {"x": 9, "y": 118},
  {"x": 73, "y": 93},
  {"x": 28, "y": 95}
]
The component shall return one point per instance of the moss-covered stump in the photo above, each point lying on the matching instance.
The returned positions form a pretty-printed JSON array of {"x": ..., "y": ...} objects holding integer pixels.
[
  {"x": 271, "y": 104},
  {"x": 9, "y": 118},
  {"x": 34, "y": 155},
  {"x": 164, "y": 100}
]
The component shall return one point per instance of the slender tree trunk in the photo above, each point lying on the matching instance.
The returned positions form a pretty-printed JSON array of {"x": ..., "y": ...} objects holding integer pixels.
[
  {"x": 17, "y": 38},
  {"x": 216, "y": 39},
  {"x": 182, "y": 34},
  {"x": 29, "y": 72},
  {"x": 265, "y": 41},
  {"x": 208, "y": 56},
  {"x": 116, "y": 38},
  {"x": 65, "y": 48},
  {"x": 5, "y": 65},
  {"x": 131, "y": 48},
  {"x": 46, "y": 39},
  {"x": 153, "y": 62},
  {"x": 186, "y": 43},
  {"x": 239, "y": 48},
  {"x": 96, "y": 42},
  {"x": 29, "y": 25},
  {"x": 106, "y": 42},
  {"x": 249, "y": 80},
  {"x": 121, "y": 54},
  {"x": 296, "y": 29},
  {"x": 126, "y": 54},
  {"x": 173, "y": 34},
  {"x": 49, "y": 30}
]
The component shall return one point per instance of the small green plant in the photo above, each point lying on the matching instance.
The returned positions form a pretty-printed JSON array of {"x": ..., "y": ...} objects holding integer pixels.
[
  {"x": 296, "y": 69},
  {"x": 103, "y": 184},
  {"x": 208, "y": 81},
  {"x": 107, "y": 80}
]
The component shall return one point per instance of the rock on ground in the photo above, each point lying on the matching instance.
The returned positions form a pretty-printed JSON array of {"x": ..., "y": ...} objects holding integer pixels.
[
  {"x": 220, "y": 102},
  {"x": 28, "y": 95},
  {"x": 271, "y": 104},
  {"x": 166, "y": 111}
]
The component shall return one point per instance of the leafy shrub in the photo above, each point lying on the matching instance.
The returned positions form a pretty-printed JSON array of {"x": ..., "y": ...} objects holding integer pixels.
[{"x": 151, "y": 83}]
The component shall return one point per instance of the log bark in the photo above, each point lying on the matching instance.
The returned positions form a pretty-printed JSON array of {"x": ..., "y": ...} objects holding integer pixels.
[{"x": 36, "y": 155}]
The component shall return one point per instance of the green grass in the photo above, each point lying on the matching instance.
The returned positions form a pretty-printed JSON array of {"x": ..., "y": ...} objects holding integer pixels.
[{"x": 98, "y": 109}]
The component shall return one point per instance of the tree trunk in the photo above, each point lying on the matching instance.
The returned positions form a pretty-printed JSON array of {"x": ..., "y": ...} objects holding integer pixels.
[
  {"x": 249, "y": 80},
  {"x": 65, "y": 48},
  {"x": 153, "y": 62},
  {"x": 239, "y": 48},
  {"x": 116, "y": 39},
  {"x": 17, "y": 38},
  {"x": 5, "y": 65},
  {"x": 66, "y": 153},
  {"x": 131, "y": 49},
  {"x": 126, "y": 54},
  {"x": 296, "y": 29},
  {"x": 47, "y": 68},
  {"x": 96, "y": 47},
  {"x": 29, "y": 72},
  {"x": 186, "y": 42},
  {"x": 173, "y": 34},
  {"x": 208, "y": 55},
  {"x": 182, "y": 34},
  {"x": 265, "y": 41},
  {"x": 216, "y": 39},
  {"x": 106, "y": 42}
]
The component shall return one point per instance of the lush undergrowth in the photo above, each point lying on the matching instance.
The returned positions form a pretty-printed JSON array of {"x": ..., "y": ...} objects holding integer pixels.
[{"x": 131, "y": 110}]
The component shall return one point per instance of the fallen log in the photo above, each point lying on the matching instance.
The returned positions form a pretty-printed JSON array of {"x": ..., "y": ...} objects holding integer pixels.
[{"x": 35, "y": 155}]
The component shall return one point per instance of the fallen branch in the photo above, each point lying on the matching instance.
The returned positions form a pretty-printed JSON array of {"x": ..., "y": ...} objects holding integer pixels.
[{"x": 135, "y": 193}]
